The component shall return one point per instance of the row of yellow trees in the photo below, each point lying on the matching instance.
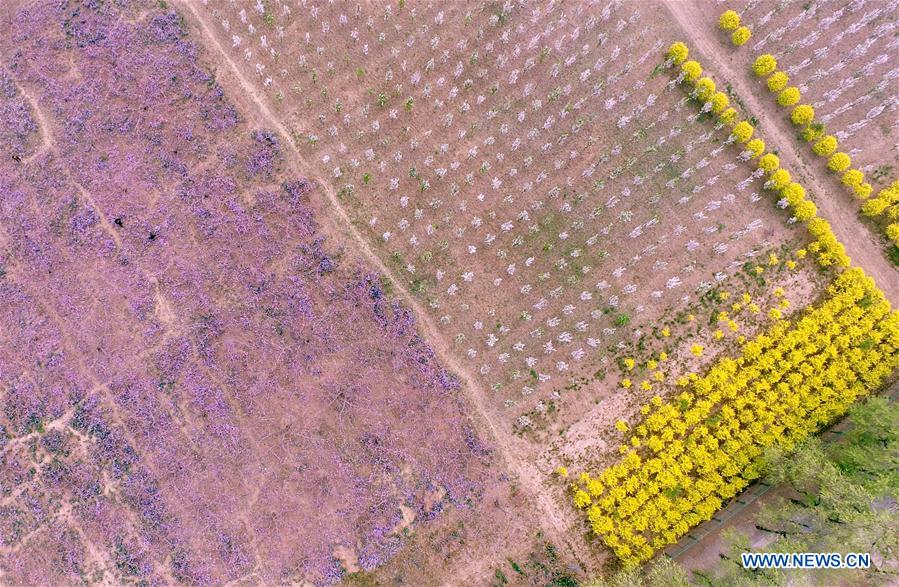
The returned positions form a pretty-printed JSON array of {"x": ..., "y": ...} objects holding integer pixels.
[
  {"x": 828, "y": 249},
  {"x": 886, "y": 204},
  {"x": 802, "y": 115},
  {"x": 815, "y": 133},
  {"x": 686, "y": 457}
]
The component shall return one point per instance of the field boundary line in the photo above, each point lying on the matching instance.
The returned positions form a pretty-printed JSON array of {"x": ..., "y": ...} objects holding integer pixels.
[{"x": 549, "y": 519}]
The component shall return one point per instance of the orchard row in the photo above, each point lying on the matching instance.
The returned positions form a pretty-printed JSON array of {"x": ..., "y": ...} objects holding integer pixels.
[{"x": 687, "y": 456}]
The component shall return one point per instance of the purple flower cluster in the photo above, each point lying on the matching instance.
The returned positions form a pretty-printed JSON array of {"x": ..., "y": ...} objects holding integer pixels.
[
  {"x": 266, "y": 155},
  {"x": 202, "y": 378},
  {"x": 17, "y": 126}
]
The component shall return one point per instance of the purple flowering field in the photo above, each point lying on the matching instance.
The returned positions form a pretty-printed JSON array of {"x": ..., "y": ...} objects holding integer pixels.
[{"x": 199, "y": 383}]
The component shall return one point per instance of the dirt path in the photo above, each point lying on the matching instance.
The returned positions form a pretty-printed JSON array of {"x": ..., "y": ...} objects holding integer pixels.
[
  {"x": 730, "y": 66},
  {"x": 43, "y": 127},
  {"x": 48, "y": 143},
  {"x": 548, "y": 516}
]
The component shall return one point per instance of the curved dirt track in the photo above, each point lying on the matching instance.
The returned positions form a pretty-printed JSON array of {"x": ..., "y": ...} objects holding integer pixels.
[{"x": 834, "y": 204}]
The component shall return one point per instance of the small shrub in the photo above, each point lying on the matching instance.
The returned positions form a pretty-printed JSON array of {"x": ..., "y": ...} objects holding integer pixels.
[
  {"x": 622, "y": 320},
  {"x": 793, "y": 193},
  {"x": 826, "y": 146},
  {"x": 874, "y": 207},
  {"x": 705, "y": 88},
  {"x": 852, "y": 178},
  {"x": 805, "y": 210},
  {"x": 757, "y": 146},
  {"x": 764, "y": 65},
  {"x": 779, "y": 179},
  {"x": 729, "y": 116},
  {"x": 743, "y": 131},
  {"x": 863, "y": 191},
  {"x": 740, "y": 36},
  {"x": 678, "y": 52},
  {"x": 720, "y": 102},
  {"x": 692, "y": 71},
  {"x": 729, "y": 20},
  {"x": 893, "y": 233},
  {"x": 769, "y": 162},
  {"x": 777, "y": 82},
  {"x": 813, "y": 132},
  {"x": 789, "y": 96},
  {"x": 802, "y": 115}
]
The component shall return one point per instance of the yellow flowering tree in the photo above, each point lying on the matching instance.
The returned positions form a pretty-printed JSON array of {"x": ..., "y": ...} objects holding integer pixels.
[
  {"x": 740, "y": 36},
  {"x": 778, "y": 180},
  {"x": 852, "y": 178},
  {"x": 729, "y": 20},
  {"x": 826, "y": 146},
  {"x": 805, "y": 210},
  {"x": 705, "y": 88},
  {"x": 839, "y": 162},
  {"x": 729, "y": 116},
  {"x": 691, "y": 70},
  {"x": 875, "y": 207},
  {"x": 769, "y": 162},
  {"x": 794, "y": 193},
  {"x": 764, "y": 65},
  {"x": 813, "y": 132},
  {"x": 756, "y": 147},
  {"x": 720, "y": 102},
  {"x": 788, "y": 96},
  {"x": 777, "y": 81},
  {"x": 742, "y": 131},
  {"x": 885, "y": 203},
  {"x": 802, "y": 115},
  {"x": 862, "y": 191},
  {"x": 678, "y": 53},
  {"x": 893, "y": 233}
]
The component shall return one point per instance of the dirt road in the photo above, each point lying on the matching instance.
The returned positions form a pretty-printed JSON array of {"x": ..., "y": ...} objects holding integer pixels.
[{"x": 255, "y": 105}]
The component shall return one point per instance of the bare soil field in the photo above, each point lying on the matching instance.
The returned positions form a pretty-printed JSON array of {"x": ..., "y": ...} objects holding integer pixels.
[{"x": 299, "y": 292}]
